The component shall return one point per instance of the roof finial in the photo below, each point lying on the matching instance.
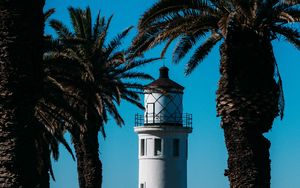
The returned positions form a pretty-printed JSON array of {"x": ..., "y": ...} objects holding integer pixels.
[{"x": 164, "y": 72}]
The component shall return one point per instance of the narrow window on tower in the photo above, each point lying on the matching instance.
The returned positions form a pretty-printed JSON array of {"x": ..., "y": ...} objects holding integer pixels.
[
  {"x": 157, "y": 147},
  {"x": 176, "y": 147},
  {"x": 143, "y": 185},
  {"x": 143, "y": 147}
]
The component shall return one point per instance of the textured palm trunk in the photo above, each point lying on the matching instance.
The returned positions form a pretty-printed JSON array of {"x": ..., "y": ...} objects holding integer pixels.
[
  {"x": 247, "y": 101},
  {"x": 76, "y": 139},
  {"x": 89, "y": 166},
  {"x": 21, "y": 34}
]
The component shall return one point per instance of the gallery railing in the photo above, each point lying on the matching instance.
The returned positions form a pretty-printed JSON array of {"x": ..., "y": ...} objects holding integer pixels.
[{"x": 184, "y": 120}]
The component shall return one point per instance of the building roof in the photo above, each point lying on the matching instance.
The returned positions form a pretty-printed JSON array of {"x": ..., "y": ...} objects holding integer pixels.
[{"x": 164, "y": 82}]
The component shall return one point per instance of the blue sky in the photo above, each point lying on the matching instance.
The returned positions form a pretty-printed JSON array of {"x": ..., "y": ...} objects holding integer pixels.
[{"x": 207, "y": 152}]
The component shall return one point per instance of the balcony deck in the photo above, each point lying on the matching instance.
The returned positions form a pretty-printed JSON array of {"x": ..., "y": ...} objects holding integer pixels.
[{"x": 184, "y": 120}]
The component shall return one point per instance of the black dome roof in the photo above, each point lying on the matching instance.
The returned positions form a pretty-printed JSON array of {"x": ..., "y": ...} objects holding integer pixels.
[{"x": 164, "y": 82}]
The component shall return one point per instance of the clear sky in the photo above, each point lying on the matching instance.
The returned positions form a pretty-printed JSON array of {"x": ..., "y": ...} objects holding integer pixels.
[{"x": 207, "y": 152}]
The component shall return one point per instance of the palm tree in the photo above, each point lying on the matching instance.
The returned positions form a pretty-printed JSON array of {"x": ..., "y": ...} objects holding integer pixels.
[
  {"x": 250, "y": 93},
  {"x": 21, "y": 36},
  {"x": 48, "y": 122},
  {"x": 51, "y": 118},
  {"x": 96, "y": 76}
]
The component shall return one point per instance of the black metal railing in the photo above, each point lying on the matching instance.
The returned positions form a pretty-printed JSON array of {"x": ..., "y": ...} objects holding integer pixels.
[{"x": 184, "y": 120}]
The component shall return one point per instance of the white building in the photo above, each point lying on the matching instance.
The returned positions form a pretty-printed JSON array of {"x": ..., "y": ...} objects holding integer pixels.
[{"x": 163, "y": 135}]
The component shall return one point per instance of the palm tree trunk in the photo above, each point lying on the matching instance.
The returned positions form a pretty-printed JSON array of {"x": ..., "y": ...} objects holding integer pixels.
[
  {"x": 93, "y": 165},
  {"x": 21, "y": 36},
  {"x": 89, "y": 166},
  {"x": 247, "y": 101},
  {"x": 76, "y": 139},
  {"x": 248, "y": 162}
]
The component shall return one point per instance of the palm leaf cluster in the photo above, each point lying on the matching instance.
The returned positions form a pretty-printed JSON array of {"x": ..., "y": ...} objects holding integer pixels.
[
  {"x": 91, "y": 71},
  {"x": 49, "y": 121},
  {"x": 202, "y": 23},
  {"x": 86, "y": 80}
]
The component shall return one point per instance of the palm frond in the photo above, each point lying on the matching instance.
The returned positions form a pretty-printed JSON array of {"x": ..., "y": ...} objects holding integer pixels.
[
  {"x": 100, "y": 39},
  {"x": 51, "y": 171},
  {"x": 133, "y": 94},
  {"x": 117, "y": 41},
  {"x": 168, "y": 7},
  {"x": 286, "y": 17},
  {"x": 63, "y": 141},
  {"x": 271, "y": 3},
  {"x": 171, "y": 27},
  {"x": 294, "y": 13},
  {"x": 98, "y": 26},
  {"x": 184, "y": 45},
  {"x": 99, "y": 104},
  {"x": 87, "y": 21},
  {"x": 292, "y": 35},
  {"x": 135, "y": 102},
  {"x": 142, "y": 42},
  {"x": 164, "y": 50},
  {"x": 138, "y": 75},
  {"x": 176, "y": 25},
  {"x": 115, "y": 60},
  {"x": 291, "y": 2},
  {"x": 111, "y": 108},
  {"x": 61, "y": 30},
  {"x": 114, "y": 91},
  {"x": 54, "y": 149},
  {"x": 50, "y": 44},
  {"x": 245, "y": 7},
  {"x": 48, "y": 13},
  {"x": 76, "y": 16},
  {"x": 201, "y": 52},
  {"x": 138, "y": 63},
  {"x": 281, "y": 102},
  {"x": 134, "y": 85}
]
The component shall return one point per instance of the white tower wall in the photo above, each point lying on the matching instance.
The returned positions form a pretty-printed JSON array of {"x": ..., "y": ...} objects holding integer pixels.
[{"x": 167, "y": 169}]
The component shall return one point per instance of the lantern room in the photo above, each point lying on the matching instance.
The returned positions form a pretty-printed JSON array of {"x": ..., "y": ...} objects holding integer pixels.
[{"x": 163, "y": 101}]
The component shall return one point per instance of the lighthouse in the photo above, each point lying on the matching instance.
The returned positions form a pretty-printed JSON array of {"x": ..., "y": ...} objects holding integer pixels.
[{"x": 163, "y": 135}]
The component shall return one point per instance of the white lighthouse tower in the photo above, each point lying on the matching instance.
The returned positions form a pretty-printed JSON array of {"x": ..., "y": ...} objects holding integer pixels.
[{"x": 163, "y": 135}]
